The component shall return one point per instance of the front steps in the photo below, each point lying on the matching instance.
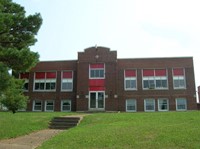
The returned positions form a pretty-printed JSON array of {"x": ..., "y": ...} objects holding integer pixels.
[{"x": 64, "y": 122}]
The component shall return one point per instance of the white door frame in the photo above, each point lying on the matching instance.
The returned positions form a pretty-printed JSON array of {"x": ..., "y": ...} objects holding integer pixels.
[{"x": 96, "y": 104}]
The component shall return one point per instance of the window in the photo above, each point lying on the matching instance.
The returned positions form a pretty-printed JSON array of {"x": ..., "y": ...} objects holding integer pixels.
[
  {"x": 131, "y": 105},
  {"x": 163, "y": 105},
  {"x": 25, "y": 77},
  {"x": 26, "y": 85},
  {"x": 3, "y": 107},
  {"x": 181, "y": 104},
  {"x": 49, "y": 105},
  {"x": 37, "y": 105},
  {"x": 67, "y": 81},
  {"x": 179, "y": 78},
  {"x": 130, "y": 79},
  {"x": 50, "y": 84},
  {"x": 66, "y": 105},
  {"x": 155, "y": 79},
  {"x": 149, "y": 105},
  {"x": 148, "y": 83},
  {"x": 97, "y": 71},
  {"x": 45, "y": 81}
]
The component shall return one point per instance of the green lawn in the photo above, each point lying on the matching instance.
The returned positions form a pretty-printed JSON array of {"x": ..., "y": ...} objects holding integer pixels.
[
  {"x": 111, "y": 130},
  {"x": 168, "y": 130},
  {"x": 21, "y": 123}
]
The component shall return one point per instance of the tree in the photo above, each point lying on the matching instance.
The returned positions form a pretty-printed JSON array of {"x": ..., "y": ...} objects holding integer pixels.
[
  {"x": 13, "y": 97},
  {"x": 17, "y": 34},
  {"x": 4, "y": 78}
]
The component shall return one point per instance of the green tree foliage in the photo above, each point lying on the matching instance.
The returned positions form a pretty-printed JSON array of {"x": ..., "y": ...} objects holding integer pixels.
[
  {"x": 4, "y": 78},
  {"x": 17, "y": 34},
  {"x": 13, "y": 97}
]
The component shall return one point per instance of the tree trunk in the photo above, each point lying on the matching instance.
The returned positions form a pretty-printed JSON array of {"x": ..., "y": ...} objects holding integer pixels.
[{"x": 13, "y": 111}]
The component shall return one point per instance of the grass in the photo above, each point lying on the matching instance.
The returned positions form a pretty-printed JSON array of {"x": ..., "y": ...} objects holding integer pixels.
[
  {"x": 177, "y": 130},
  {"x": 21, "y": 123},
  {"x": 157, "y": 130}
]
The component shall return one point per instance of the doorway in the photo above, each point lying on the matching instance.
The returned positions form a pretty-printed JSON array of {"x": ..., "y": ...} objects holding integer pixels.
[{"x": 97, "y": 101}]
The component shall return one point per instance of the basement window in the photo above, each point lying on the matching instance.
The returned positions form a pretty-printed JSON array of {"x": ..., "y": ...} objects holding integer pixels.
[
  {"x": 37, "y": 105},
  {"x": 130, "y": 105},
  {"x": 49, "y": 105},
  {"x": 66, "y": 105},
  {"x": 181, "y": 104},
  {"x": 163, "y": 105},
  {"x": 149, "y": 105}
]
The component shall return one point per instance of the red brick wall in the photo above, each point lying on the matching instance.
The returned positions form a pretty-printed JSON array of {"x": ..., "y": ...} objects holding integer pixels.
[
  {"x": 114, "y": 81},
  {"x": 109, "y": 58},
  {"x": 57, "y": 95},
  {"x": 171, "y": 94}
]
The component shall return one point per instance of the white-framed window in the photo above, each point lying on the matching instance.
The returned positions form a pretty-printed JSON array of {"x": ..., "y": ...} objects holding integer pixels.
[
  {"x": 163, "y": 104},
  {"x": 37, "y": 105},
  {"x": 50, "y": 84},
  {"x": 26, "y": 84},
  {"x": 25, "y": 77},
  {"x": 181, "y": 104},
  {"x": 131, "y": 105},
  {"x": 149, "y": 105},
  {"x": 161, "y": 82},
  {"x": 39, "y": 85},
  {"x": 45, "y": 81},
  {"x": 97, "y": 71},
  {"x": 179, "y": 78},
  {"x": 66, "y": 105},
  {"x": 3, "y": 107},
  {"x": 67, "y": 81},
  {"x": 49, "y": 105},
  {"x": 130, "y": 80},
  {"x": 148, "y": 83},
  {"x": 155, "y": 79}
]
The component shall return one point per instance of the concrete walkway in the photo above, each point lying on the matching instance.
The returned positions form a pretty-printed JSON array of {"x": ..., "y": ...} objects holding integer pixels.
[{"x": 30, "y": 141}]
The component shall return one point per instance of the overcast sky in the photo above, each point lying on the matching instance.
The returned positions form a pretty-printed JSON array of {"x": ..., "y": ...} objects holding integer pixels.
[{"x": 135, "y": 28}]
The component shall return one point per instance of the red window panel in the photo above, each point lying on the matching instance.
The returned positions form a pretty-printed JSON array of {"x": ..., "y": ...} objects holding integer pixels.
[
  {"x": 148, "y": 72},
  {"x": 178, "y": 72},
  {"x": 51, "y": 75},
  {"x": 24, "y": 75},
  {"x": 96, "y": 65},
  {"x": 96, "y": 82},
  {"x": 67, "y": 74},
  {"x": 97, "y": 88},
  {"x": 130, "y": 73},
  {"x": 40, "y": 75},
  {"x": 160, "y": 72}
]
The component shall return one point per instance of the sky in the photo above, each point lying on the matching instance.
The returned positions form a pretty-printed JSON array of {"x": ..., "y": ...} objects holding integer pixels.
[{"x": 134, "y": 28}]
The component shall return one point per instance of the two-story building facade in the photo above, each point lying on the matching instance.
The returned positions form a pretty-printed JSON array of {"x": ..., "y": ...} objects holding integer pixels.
[{"x": 99, "y": 81}]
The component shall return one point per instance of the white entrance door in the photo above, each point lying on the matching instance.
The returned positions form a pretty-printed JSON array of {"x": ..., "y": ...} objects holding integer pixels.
[{"x": 96, "y": 101}]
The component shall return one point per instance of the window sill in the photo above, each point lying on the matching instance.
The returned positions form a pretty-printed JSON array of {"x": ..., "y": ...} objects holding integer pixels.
[
  {"x": 44, "y": 91},
  {"x": 130, "y": 89},
  {"x": 66, "y": 90}
]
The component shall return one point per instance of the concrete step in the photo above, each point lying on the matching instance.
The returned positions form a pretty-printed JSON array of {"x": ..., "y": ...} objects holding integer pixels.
[
  {"x": 66, "y": 119},
  {"x": 64, "y": 122},
  {"x": 61, "y": 127}
]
